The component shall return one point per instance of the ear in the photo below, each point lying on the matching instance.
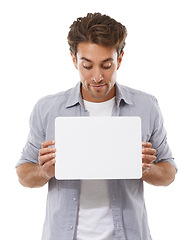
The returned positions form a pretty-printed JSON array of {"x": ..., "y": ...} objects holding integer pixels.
[
  {"x": 74, "y": 59},
  {"x": 120, "y": 60}
]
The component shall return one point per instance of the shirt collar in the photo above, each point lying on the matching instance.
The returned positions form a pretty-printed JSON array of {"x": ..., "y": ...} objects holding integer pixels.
[
  {"x": 75, "y": 95},
  {"x": 123, "y": 94}
]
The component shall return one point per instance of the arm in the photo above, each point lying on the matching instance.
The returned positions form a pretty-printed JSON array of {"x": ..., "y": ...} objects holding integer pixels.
[
  {"x": 31, "y": 175},
  {"x": 37, "y": 175},
  {"x": 159, "y": 174}
]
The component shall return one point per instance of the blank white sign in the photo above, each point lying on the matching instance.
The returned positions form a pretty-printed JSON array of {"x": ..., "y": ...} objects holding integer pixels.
[{"x": 98, "y": 148}]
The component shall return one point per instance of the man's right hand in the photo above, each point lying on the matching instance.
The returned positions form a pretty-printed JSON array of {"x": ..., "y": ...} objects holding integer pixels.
[{"x": 47, "y": 158}]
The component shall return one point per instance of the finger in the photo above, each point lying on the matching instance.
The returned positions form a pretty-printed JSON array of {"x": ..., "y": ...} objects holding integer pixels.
[
  {"x": 45, "y": 158},
  {"x": 146, "y": 167},
  {"x": 146, "y": 144},
  {"x": 48, "y": 143},
  {"x": 149, "y": 151},
  {"x": 47, "y": 150},
  {"x": 48, "y": 164},
  {"x": 148, "y": 158},
  {"x": 49, "y": 168}
]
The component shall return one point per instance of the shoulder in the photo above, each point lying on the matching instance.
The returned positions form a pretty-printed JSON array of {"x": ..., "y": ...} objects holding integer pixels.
[
  {"x": 53, "y": 99},
  {"x": 137, "y": 96}
]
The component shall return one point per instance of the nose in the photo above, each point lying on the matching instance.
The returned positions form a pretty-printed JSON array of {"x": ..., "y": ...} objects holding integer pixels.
[{"x": 97, "y": 76}]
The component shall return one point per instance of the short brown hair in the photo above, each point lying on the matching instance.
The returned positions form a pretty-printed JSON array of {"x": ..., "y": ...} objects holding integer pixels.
[{"x": 99, "y": 29}]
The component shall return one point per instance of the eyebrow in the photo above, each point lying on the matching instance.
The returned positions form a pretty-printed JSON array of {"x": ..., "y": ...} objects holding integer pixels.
[
  {"x": 88, "y": 60},
  {"x": 83, "y": 58},
  {"x": 107, "y": 60}
]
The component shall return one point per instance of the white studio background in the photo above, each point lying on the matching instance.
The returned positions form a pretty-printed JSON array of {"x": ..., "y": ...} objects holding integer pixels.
[{"x": 35, "y": 61}]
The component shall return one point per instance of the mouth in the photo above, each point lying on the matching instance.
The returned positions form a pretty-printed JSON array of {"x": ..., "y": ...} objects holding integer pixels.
[{"x": 97, "y": 87}]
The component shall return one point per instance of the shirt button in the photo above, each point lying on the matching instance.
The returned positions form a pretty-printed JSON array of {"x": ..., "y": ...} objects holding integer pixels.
[
  {"x": 74, "y": 199},
  {"x": 114, "y": 198},
  {"x": 71, "y": 227}
]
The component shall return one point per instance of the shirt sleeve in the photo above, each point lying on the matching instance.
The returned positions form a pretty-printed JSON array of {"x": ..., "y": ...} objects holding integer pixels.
[
  {"x": 159, "y": 139},
  {"x": 35, "y": 139}
]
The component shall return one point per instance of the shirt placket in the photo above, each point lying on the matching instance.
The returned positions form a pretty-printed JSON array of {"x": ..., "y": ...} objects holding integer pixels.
[
  {"x": 73, "y": 208},
  {"x": 116, "y": 210}
]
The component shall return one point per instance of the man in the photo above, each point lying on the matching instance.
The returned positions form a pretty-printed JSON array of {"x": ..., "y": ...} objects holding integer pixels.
[{"x": 96, "y": 209}]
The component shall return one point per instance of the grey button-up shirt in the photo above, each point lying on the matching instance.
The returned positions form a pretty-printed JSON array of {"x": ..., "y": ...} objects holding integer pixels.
[{"x": 126, "y": 196}]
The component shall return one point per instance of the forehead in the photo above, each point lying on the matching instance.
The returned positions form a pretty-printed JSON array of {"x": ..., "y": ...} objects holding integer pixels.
[{"x": 95, "y": 52}]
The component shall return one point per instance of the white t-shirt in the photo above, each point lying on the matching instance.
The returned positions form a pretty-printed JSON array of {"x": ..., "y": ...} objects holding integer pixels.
[{"x": 95, "y": 217}]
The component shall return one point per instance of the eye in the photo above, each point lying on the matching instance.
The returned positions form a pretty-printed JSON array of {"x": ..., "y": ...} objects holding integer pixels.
[
  {"x": 106, "y": 65},
  {"x": 88, "y": 67}
]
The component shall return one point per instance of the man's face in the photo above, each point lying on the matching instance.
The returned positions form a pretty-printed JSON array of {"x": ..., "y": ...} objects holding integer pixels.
[{"x": 97, "y": 66}]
